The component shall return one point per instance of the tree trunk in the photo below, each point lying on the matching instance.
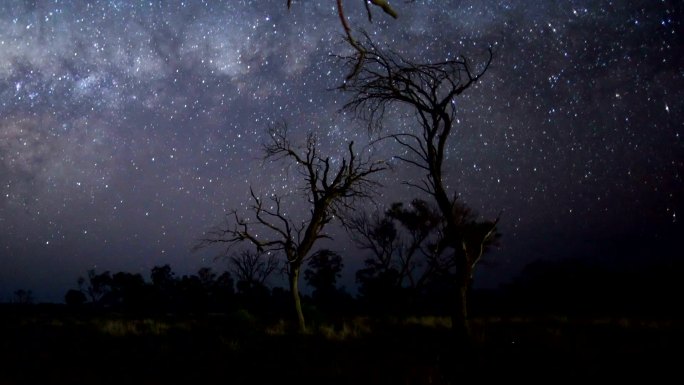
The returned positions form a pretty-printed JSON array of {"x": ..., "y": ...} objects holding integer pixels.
[
  {"x": 460, "y": 323},
  {"x": 294, "y": 289},
  {"x": 466, "y": 353}
]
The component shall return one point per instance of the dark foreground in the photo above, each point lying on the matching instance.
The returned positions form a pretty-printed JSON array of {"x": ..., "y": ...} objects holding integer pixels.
[{"x": 47, "y": 346}]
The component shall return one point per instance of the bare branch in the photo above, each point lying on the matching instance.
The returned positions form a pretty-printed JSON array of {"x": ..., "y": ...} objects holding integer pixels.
[
  {"x": 385, "y": 79},
  {"x": 253, "y": 267},
  {"x": 329, "y": 188},
  {"x": 426, "y": 189}
]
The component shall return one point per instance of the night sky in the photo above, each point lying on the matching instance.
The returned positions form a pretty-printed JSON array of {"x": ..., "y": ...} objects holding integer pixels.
[{"x": 129, "y": 127}]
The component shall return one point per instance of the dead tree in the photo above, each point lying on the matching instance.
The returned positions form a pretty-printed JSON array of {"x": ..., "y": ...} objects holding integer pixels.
[
  {"x": 252, "y": 269},
  {"x": 429, "y": 90},
  {"x": 349, "y": 36},
  {"x": 330, "y": 188}
]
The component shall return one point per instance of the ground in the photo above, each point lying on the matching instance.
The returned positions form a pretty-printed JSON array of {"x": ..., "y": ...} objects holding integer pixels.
[{"x": 55, "y": 345}]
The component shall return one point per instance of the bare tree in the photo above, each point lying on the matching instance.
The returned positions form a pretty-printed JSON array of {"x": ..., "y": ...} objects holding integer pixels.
[
  {"x": 349, "y": 36},
  {"x": 386, "y": 78},
  {"x": 23, "y": 297},
  {"x": 253, "y": 268},
  {"x": 330, "y": 188}
]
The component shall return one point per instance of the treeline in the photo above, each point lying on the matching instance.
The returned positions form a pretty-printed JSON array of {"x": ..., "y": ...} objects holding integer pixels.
[
  {"x": 565, "y": 287},
  {"x": 163, "y": 292},
  {"x": 579, "y": 286},
  {"x": 245, "y": 286},
  {"x": 405, "y": 272}
]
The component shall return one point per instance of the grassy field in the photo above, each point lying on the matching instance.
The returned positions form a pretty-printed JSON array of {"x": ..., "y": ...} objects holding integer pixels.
[{"x": 48, "y": 347}]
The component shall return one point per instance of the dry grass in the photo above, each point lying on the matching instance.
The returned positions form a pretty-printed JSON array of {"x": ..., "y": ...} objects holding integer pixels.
[
  {"x": 126, "y": 327},
  {"x": 356, "y": 327},
  {"x": 429, "y": 321},
  {"x": 237, "y": 346}
]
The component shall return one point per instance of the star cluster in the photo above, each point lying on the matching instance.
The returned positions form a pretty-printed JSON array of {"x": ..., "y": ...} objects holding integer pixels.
[{"x": 129, "y": 127}]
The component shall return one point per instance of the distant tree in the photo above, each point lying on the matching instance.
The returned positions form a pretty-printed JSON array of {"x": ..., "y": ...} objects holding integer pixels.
[
  {"x": 75, "y": 298},
  {"x": 225, "y": 282},
  {"x": 206, "y": 277},
  {"x": 384, "y": 79},
  {"x": 379, "y": 280},
  {"x": 162, "y": 276},
  {"x": 23, "y": 297},
  {"x": 217, "y": 290},
  {"x": 164, "y": 287},
  {"x": 223, "y": 291},
  {"x": 402, "y": 246},
  {"x": 324, "y": 268},
  {"x": 128, "y": 291},
  {"x": 252, "y": 269},
  {"x": 330, "y": 188},
  {"x": 98, "y": 285},
  {"x": 191, "y": 295}
]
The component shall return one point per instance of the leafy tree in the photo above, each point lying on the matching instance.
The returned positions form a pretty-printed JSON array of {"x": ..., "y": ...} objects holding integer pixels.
[
  {"x": 206, "y": 277},
  {"x": 164, "y": 287},
  {"x": 324, "y": 268},
  {"x": 191, "y": 295},
  {"x": 98, "y": 285},
  {"x": 329, "y": 188},
  {"x": 222, "y": 291},
  {"x": 127, "y": 291},
  {"x": 75, "y": 298},
  {"x": 402, "y": 246},
  {"x": 217, "y": 290},
  {"x": 162, "y": 276}
]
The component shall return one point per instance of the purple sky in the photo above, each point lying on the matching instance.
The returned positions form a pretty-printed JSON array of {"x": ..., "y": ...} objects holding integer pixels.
[{"x": 127, "y": 127}]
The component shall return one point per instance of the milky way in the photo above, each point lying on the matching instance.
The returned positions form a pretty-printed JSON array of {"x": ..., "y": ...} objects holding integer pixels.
[{"x": 129, "y": 127}]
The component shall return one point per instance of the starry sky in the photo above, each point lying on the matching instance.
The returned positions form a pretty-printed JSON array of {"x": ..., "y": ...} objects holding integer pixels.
[{"x": 129, "y": 127}]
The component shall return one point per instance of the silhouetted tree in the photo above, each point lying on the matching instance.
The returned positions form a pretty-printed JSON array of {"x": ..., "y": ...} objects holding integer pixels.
[
  {"x": 324, "y": 268},
  {"x": 380, "y": 283},
  {"x": 382, "y": 4},
  {"x": 384, "y": 79},
  {"x": 98, "y": 285},
  {"x": 206, "y": 277},
  {"x": 218, "y": 290},
  {"x": 252, "y": 269},
  {"x": 360, "y": 50},
  {"x": 164, "y": 288},
  {"x": 190, "y": 294},
  {"x": 330, "y": 188},
  {"x": 127, "y": 291},
  {"x": 23, "y": 297},
  {"x": 75, "y": 298},
  {"x": 464, "y": 241},
  {"x": 162, "y": 276},
  {"x": 402, "y": 245},
  {"x": 223, "y": 291}
]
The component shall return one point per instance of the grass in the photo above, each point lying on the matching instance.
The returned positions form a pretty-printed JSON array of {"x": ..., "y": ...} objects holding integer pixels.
[{"x": 239, "y": 348}]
